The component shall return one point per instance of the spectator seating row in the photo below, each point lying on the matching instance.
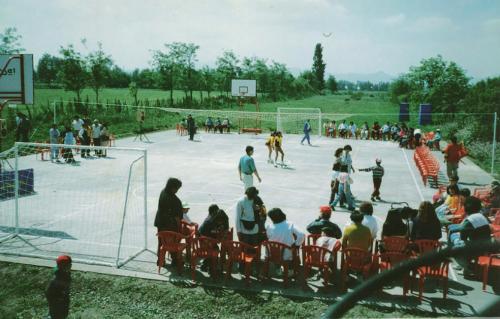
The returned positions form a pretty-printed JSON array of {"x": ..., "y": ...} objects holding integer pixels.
[
  {"x": 427, "y": 164},
  {"x": 387, "y": 254}
]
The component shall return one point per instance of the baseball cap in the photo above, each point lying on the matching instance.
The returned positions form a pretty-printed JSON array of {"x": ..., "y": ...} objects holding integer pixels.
[
  {"x": 185, "y": 205},
  {"x": 325, "y": 209}
]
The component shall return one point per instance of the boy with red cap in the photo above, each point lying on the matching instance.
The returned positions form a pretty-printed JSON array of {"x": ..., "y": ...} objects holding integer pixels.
[
  {"x": 58, "y": 291},
  {"x": 378, "y": 173},
  {"x": 323, "y": 221}
]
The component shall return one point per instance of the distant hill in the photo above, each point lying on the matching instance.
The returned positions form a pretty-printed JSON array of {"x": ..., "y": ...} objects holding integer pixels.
[{"x": 372, "y": 77}]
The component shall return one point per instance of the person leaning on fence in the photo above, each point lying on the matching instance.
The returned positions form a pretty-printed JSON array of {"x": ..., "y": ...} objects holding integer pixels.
[
  {"x": 58, "y": 291},
  {"x": 323, "y": 221},
  {"x": 169, "y": 214},
  {"x": 377, "y": 174},
  {"x": 246, "y": 168}
]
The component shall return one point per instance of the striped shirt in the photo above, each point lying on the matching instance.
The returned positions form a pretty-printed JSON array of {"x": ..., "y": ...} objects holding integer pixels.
[{"x": 378, "y": 171}]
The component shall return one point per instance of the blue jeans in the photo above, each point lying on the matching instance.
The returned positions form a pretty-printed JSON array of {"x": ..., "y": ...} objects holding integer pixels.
[
  {"x": 346, "y": 190},
  {"x": 306, "y": 137},
  {"x": 54, "y": 152}
]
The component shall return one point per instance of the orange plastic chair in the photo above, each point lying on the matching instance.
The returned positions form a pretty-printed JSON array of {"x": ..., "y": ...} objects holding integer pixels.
[
  {"x": 310, "y": 241},
  {"x": 189, "y": 230},
  {"x": 170, "y": 242},
  {"x": 395, "y": 244},
  {"x": 355, "y": 259},
  {"x": 390, "y": 259},
  {"x": 426, "y": 245},
  {"x": 240, "y": 252},
  {"x": 274, "y": 254},
  {"x": 315, "y": 256},
  {"x": 204, "y": 247},
  {"x": 438, "y": 271}
]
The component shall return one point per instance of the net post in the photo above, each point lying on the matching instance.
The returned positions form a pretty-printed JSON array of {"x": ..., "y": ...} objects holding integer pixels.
[
  {"x": 319, "y": 123},
  {"x": 493, "y": 147},
  {"x": 16, "y": 185},
  {"x": 145, "y": 199}
]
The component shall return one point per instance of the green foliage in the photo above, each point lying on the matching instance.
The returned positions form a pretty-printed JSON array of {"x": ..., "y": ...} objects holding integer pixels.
[
  {"x": 73, "y": 74},
  {"x": 10, "y": 41},
  {"x": 48, "y": 68},
  {"x": 400, "y": 90},
  {"x": 133, "y": 91},
  {"x": 227, "y": 66},
  {"x": 99, "y": 64},
  {"x": 331, "y": 84},
  {"x": 318, "y": 68}
]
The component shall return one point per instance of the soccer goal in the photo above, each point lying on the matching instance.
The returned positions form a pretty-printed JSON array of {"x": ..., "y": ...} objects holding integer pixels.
[
  {"x": 89, "y": 202},
  {"x": 291, "y": 120}
]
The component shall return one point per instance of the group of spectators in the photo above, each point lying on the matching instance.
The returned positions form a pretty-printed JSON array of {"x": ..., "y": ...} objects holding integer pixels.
[
  {"x": 217, "y": 125},
  {"x": 81, "y": 131}
]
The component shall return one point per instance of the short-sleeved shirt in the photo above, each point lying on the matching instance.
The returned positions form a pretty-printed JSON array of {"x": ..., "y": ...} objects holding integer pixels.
[
  {"x": 357, "y": 236},
  {"x": 452, "y": 152},
  {"x": 247, "y": 165}
]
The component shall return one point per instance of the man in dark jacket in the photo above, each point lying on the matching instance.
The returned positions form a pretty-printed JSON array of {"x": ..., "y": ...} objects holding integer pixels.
[
  {"x": 169, "y": 213},
  {"x": 191, "y": 127},
  {"x": 323, "y": 221},
  {"x": 58, "y": 291},
  {"x": 215, "y": 223}
]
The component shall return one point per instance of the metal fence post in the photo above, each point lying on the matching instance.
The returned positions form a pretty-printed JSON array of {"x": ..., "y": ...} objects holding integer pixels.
[{"x": 493, "y": 147}]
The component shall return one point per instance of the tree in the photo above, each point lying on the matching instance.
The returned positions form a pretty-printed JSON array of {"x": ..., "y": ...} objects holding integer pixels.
[
  {"x": 133, "y": 90},
  {"x": 441, "y": 83},
  {"x": 400, "y": 90},
  {"x": 207, "y": 79},
  {"x": 227, "y": 69},
  {"x": 117, "y": 78},
  {"x": 331, "y": 84},
  {"x": 48, "y": 68},
  {"x": 10, "y": 41},
  {"x": 318, "y": 68},
  {"x": 99, "y": 66},
  {"x": 73, "y": 75}
]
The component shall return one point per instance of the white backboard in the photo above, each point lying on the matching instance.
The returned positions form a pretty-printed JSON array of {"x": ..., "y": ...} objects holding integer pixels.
[
  {"x": 243, "y": 88},
  {"x": 16, "y": 81}
]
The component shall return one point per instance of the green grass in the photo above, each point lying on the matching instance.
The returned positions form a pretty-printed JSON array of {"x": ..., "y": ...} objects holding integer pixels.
[{"x": 104, "y": 296}]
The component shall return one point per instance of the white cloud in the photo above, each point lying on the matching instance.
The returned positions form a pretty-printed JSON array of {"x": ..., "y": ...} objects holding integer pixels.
[
  {"x": 394, "y": 20},
  {"x": 492, "y": 25},
  {"x": 433, "y": 23}
]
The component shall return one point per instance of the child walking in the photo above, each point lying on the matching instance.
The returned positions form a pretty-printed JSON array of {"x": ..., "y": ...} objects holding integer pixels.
[{"x": 378, "y": 172}]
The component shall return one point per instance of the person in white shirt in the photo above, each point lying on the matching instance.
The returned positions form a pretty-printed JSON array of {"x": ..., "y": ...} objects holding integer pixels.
[
  {"x": 386, "y": 131},
  {"x": 327, "y": 240},
  {"x": 247, "y": 228},
  {"x": 77, "y": 125},
  {"x": 343, "y": 129},
  {"x": 284, "y": 232},
  {"x": 96, "y": 136},
  {"x": 353, "y": 128},
  {"x": 368, "y": 220}
]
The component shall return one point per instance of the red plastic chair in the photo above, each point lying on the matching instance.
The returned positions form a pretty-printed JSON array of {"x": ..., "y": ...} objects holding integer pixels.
[
  {"x": 189, "y": 230},
  {"x": 309, "y": 241},
  {"x": 426, "y": 245},
  {"x": 438, "y": 271},
  {"x": 170, "y": 242},
  {"x": 319, "y": 257},
  {"x": 486, "y": 262},
  {"x": 274, "y": 254},
  {"x": 240, "y": 252},
  {"x": 395, "y": 244},
  {"x": 390, "y": 259},
  {"x": 355, "y": 259},
  {"x": 204, "y": 247}
]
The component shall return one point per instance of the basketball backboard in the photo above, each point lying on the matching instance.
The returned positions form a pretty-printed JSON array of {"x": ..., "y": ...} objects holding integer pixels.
[
  {"x": 243, "y": 88},
  {"x": 16, "y": 78}
]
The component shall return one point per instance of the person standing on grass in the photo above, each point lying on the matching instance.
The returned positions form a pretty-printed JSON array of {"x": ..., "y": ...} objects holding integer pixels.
[
  {"x": 246, "y": 168},
  {"x": 452, "y": 155},
  {"x": 378, "y": 173},
  {"x": 307, "y": 130},
  {"x": 54, "y": 139},
  {"x": 191, "y": 127},
  {"x": 57, "y": 293}
]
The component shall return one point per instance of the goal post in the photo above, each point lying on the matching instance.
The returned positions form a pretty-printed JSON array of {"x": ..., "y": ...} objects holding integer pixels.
[
  {"x": 90, "y": 202},
  {"x": 290, "y": 119}
]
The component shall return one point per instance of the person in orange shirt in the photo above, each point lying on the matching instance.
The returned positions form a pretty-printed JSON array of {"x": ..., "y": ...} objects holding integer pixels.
[{"x": 452, "y": 155}]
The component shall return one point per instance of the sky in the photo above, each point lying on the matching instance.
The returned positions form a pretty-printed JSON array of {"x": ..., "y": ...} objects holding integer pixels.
[{"x": 366, "y": 36}]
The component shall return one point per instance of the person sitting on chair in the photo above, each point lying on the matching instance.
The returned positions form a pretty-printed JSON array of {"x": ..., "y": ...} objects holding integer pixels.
[
  {"x": 323, "y": 221},
  {"x": 357, "y": 235}
]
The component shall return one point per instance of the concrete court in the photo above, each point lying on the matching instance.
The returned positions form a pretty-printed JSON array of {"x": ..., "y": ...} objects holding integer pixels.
[{"x": 208, "y": 170}]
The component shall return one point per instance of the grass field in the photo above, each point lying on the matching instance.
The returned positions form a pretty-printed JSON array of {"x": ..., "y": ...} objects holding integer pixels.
[{"x": 104, "y": 296}]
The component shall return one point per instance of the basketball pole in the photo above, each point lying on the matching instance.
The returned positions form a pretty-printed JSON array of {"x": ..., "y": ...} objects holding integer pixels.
[{"x": 494, "y": 143}]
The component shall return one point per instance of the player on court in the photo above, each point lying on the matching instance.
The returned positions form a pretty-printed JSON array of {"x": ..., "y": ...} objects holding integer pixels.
[
  {"x": 270, "y": 146},
  {"x": 278, "y": 143}
]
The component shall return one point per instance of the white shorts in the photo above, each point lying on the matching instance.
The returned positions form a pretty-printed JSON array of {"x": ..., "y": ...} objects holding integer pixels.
[{"x": 247, "y": 180}]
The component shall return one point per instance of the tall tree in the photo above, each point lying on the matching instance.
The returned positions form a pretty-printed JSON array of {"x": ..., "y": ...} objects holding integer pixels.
[
  {"x": 331, "y": 84},
  {"x": 73, "y": 75},
  {"x": 48, "y": 68},
  {"x": 10, "y": 41},
  {"x": 228, "y": 68},
  {"x": 318, "y": 67},
  {"x": 99, "y": 66}
]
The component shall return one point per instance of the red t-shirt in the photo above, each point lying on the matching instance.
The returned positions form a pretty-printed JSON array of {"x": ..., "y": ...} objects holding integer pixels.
[{"x": 453, "y": 152}]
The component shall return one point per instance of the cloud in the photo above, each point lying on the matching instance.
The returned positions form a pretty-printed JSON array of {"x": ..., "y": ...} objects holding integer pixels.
[
  {"x": 394, "y": 20},
  {"x": 492, "y": 25},
  {"x": 433, "y": 23}
]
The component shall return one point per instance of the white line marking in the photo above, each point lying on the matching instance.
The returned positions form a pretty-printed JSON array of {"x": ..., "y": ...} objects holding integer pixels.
[{"x": 413, "y": 176}]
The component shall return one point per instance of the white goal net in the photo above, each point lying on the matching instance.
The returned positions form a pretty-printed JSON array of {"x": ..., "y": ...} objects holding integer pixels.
[
  {"x": 292, "y": 120},
  {"x": 86, "y": 201}
]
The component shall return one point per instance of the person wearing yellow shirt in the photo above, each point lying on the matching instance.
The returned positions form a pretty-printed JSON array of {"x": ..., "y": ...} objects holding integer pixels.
[
  {"x": 270, "y": 145},
  {"x": 357, "y": 235},
  {"x": 278, "y": 142}
]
